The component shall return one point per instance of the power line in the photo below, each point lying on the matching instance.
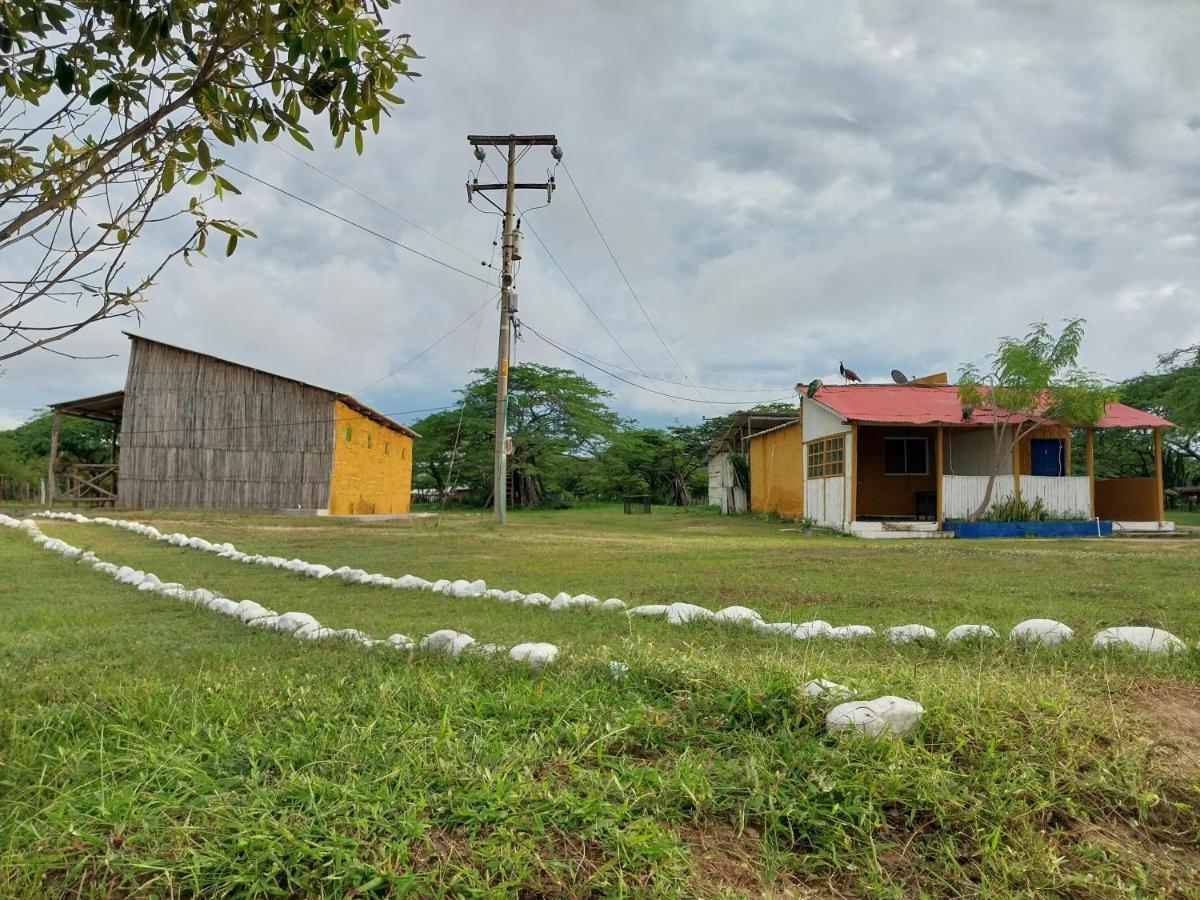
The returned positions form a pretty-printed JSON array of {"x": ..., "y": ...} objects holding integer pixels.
[
  {"x": 625, "y": 278},
  {"x": 376, "y": 203},
  {"x": 574, "y": 287},
  {"x": 642, "y": 387},
  {"x": 352, "y": 223},
  {"x": 409, "y": 362},
  {"x": 698, "y": 387}
]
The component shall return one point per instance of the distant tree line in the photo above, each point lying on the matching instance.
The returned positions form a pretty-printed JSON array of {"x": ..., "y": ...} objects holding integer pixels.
[{"x": 566, "y": 442}]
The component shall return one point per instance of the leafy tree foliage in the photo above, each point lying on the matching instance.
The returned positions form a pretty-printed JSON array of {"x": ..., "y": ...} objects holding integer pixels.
[
  {"x": 1036, "y": 381},
  {"x": 1172, "y": 391},
  {"x": 554, "y": 416},
  {"x": 108, "y": 106}
]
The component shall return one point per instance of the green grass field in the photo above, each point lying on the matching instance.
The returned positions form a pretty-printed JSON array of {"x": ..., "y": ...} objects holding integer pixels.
[{"x": 148, "y": 747}]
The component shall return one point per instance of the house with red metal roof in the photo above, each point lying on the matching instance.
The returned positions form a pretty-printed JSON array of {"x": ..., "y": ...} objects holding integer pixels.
[{"x": 882, "y": 460}]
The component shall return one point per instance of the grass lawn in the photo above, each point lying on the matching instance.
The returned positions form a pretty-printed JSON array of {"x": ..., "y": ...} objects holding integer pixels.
[
  {"x": 1180, "y": 517},
  {"x": 149, "y": 747}
]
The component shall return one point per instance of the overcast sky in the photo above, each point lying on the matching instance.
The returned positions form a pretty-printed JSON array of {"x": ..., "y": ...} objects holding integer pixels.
[{"x": 787, "y": 185}]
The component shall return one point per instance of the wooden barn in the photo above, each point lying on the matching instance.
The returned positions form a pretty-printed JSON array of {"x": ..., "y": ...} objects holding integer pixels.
[{"x": 194, "y": 430}]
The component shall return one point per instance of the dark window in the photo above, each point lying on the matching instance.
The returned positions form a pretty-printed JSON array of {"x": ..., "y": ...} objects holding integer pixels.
[{"x": 905, "y": 456}]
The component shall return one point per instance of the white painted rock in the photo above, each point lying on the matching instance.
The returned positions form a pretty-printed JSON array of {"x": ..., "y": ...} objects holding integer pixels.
[
  {"x": 447, "y": 641},
  {"x": 351, "y": 634},
  {"x": 1139, "y": 637},
  {"x": 314, "y": 632},
  {"x": 907, "y": 634},
  {"x": 537, "y": 655},
  {"x": 536, "y": 599},
  {"x": 562, "y": 600},
  {"x": 966, "y": 632},
  {"x": 440, "y": 585},
  {"x": 223, "y": 606},
  {"x": 738, "y": 615},
  {"x": 438, "y": 640},
  {"x": 613, "y": 603},
  {"x": 881, "y": 716},
  {"x": 316, "y": 570},
  {"x": 294, "y": 621},
  {"x": 248, "y": 611},
  {"x": 682, "y": 613},
  {"x": 649, "y": 609},
  {"x": 410, "y": 582},
  {"x": 852, "y": 632},
  {"x": 821, "y": 689},
  {"x": 400, "y": 642},
  {"x": 1047, "y": 632}
]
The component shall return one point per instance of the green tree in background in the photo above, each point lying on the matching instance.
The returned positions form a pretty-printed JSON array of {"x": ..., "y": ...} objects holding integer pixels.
[
  {"x": 108, "y": 106},
  {"x": 555, "y": 417},
  {"x": 1171, "y": 391}
]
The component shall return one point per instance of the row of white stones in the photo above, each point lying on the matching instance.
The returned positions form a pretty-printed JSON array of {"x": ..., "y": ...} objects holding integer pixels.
[
  {"x": 882, "y": 716},
  {"x": 255, "y": 615},
  {"x": 1046, "y": 632}
]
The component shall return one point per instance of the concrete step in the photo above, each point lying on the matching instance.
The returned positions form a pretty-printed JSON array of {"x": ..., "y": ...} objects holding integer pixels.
[{"x": 881, "y": 534}]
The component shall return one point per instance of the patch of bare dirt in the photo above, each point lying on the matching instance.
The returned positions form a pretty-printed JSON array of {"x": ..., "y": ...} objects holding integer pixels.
[
  {"x": 726, "y": 863},
  {"x": 1172, "y": 716}
]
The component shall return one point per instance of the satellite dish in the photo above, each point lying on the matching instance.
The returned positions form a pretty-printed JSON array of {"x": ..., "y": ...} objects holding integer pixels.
[
  {"x": 813, "y": 386},
  {"x": 899, "y": 377}
]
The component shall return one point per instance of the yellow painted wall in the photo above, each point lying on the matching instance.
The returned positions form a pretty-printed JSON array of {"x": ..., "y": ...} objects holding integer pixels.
[
  {"x": 777, "y": 472},
  {"x": 372, "y": 471}
]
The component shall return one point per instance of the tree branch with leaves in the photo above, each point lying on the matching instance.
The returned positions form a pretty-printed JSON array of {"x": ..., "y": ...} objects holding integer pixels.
[
  {"x": 110, "y": 106},
  {"x": 1032, "y": 382}
]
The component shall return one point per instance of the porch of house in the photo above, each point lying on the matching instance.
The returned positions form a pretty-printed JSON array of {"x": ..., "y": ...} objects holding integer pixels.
[{"x": 909, "y": 480}]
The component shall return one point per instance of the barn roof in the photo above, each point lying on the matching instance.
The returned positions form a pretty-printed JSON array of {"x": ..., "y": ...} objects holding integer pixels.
[
  {"x": 350, "y": 401},
  {"x": 102, "y": 407},
  {"x": 918, "y": 404},
  {"x": 746, "y": 423}
]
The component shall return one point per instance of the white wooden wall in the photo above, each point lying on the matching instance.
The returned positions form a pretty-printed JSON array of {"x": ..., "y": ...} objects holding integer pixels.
[
  {"x": 827, "y": 500},
  {"x": 962, "y": 494},
  {"x": 723, "y": 488},
  {"x": 820, "y": 421},
  {"x": 1069, "y": 496}
]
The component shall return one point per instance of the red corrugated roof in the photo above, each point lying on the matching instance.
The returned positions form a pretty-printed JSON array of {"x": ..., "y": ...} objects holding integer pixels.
[{"x": 915, "y": 404}]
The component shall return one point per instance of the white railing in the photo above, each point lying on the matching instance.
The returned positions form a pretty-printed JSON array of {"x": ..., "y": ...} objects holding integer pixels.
[{"x": 962, "y": 494}]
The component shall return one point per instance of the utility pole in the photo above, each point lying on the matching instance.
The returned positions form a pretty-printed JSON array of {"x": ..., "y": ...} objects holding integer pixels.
[{"x": 507, "y": 307}]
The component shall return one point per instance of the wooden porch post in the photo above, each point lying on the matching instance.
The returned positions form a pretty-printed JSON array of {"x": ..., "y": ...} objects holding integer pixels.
[
  {"x": 853, "y": 472},
  {"x": 1016, "y": 465},
  {"x": 1091, "y": 469},
  {"x": 1158, "y": 476},
  {"x": 54, "y": 420},
  {"x": 938, "y": 482}
]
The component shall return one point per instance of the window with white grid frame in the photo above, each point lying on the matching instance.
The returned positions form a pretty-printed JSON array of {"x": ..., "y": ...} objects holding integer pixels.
[{"x": 827, "y": 457}]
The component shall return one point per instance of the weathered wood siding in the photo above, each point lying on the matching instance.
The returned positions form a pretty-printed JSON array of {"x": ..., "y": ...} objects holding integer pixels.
[{"x": 201, "y": 432}]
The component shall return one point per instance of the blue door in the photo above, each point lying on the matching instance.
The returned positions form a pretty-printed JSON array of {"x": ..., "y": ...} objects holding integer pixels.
[{"x": 1049, "y": 456}]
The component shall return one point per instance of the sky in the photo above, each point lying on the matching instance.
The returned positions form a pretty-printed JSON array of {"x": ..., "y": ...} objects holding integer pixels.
[{"x": 786, "y": 186}]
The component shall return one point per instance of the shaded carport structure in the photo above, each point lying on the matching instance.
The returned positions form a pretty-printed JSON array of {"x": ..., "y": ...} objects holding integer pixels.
[{"x": 86, "y": 482}]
